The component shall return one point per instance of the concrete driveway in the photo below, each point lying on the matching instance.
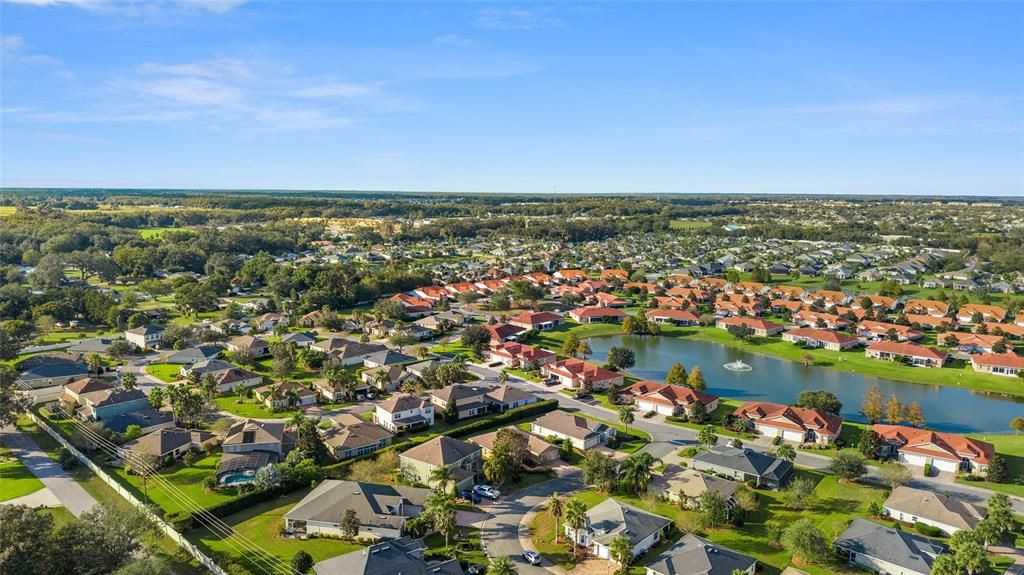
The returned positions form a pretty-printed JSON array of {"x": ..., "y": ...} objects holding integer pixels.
[{"x": 64, "y": 488}]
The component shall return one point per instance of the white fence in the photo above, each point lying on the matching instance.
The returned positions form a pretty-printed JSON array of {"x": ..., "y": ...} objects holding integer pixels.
[{"x": 165, "y": 526}]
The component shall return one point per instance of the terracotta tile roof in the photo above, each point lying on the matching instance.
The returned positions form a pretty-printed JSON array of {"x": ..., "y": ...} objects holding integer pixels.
[
  {"x": 596, "y": 311},
  {"x": 581, "y": 370},
  {"x": 909, "y": 349},
  {"x": 676, "y": 314},
  {"x": 535, "y": 318},
  {"x": 882, "y": 328},
  {"x": 989, "y": 311},
  {"x": 1011, "y": 360},
  {"x": 928, "y": 320},
  {"x": 790, "y": 417},
  {"x": 927, "y": 305},
  {"x": 524, "y": 353},
  {"x": 614, "y": 273},
  {"x": 822, "y": 335},
  {"x": 500, "y": 331},
  {"x": 752, "y": 322},
  {"x": 948, "y": 446},
  {"x": 666, "y": 394}
]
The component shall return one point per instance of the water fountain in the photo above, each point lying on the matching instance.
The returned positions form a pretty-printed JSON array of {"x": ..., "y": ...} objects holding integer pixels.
[{"x": 737, "y": 366}]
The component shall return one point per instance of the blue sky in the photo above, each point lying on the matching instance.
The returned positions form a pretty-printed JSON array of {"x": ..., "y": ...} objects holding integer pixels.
[{"x": 706, "y": 97}]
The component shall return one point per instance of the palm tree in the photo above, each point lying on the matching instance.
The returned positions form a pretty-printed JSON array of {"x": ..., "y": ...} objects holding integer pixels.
[
  {"x": 293, "y": 397},
  {"x": 637, "y": 470},
  {"x": 626, "y": 417},
  {"x": 442, "y": 476},
  {"x": 381, "y": 380},
  {"x": 128, "y": 381},
  {"x": 786, "y": 451},
  {"x": 621, "y": 551},
  {"x": 95, "y": 363},
  {"x": 503, "y": 566},
  {"x": 557, "y": 510},
  {"x": 297, "y": 420},
  {"x": 575, "y": 519},
  {"x": 440, "y": 505}
]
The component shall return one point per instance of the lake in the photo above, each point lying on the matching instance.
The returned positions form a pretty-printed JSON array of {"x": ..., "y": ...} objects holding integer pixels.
[{"x": 779, "y": 381}]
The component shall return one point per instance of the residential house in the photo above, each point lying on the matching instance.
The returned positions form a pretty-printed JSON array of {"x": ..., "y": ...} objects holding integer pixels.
[
  {"x": 744, "y": 464},
  {"x": 503, "y": 332},
  {"x": 403, "y": 412},
  {"x": 967, "y": 313},
  {"x": 352, "y": 436},
  {"x": 106, "y": 404},
  {"x": 876, "y": 330},
  {"x": 192, "y": 355},
  {"x": 402, "y": 555},
  {"x": 882, "y": 302},
  {"x": 913, "y": 353},
  {"x": 540, "y": 321},
  {"x": 464, "y": 459},
  {"x": 944, "y": 451},
  {"x": 515, "y": 355},
  {"x": 613, "y": 274},
  {"x": 285, "y": 394},
  {"x": 927, "y": 307},
  {"x": 255, "y": 346},
  {"x": 808, "y": 318},
  {"x": 395, "y": 375},
  {"x": 926, "y": 321},
  {"x": 382, "y": 510},
  {"x": 694, "y": 555},
  {"x": 686, "y": 486},
  {"x": 268, "y": 321},
  {"x": 883, "y": 549},
  {"x": 147, "y": 419},
  {"x": 679, "y": 317},
  {"x": 760, "y": 327},
  {"x": 145, "y": 336},
  {"x": 469, "y": 399},
  {"x": 227, "y": 380},
  {"x": 302, "y": 339},
  {"x": 797, "y": 424},
  {"x": 248, "y": 435},
  {"x": 604, "y": 299},
  {"x": 336, "y": 391},
  {"x": 312, "y": 319},
  {"x": 506, "y": 397},
  {"x": 973, "y": 342},
  {"x": 441, "y": 322},
  {"x": 727, "y": 306},
  {"x": 577, "y": 373},
  {"x": 610, "y": 519},
  {"x": 597, "y": 314},
  {"x": 827, "y": 298},
  {"x": 667, "y": 399},
  {"x": 539, "y": 451},
  {"x": 387, "y": 357},
  {"x": 583, "y": 433},
  {"x": 347, "y": 352},
  {"x": 44, "y": 375},
  {"x": 1005, "y": 364},
  {"x": 823, "y": 338},
  {"x": 414, "y": 306},
  {"x": 71, "y": 395},
  {"x": 909, "y": 505},
  {"x": 201, "y": 368},
  {"x": 167, "y": 442},
  {"x": 569, "y": 276}
]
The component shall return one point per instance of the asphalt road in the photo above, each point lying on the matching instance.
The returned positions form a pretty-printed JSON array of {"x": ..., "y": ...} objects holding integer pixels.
[{"x": 68, "y": 492}]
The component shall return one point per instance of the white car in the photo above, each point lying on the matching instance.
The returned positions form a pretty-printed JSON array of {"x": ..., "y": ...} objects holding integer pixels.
[
  {"x": 486, "y": 491},
  {"x": 532, "y": 557}
]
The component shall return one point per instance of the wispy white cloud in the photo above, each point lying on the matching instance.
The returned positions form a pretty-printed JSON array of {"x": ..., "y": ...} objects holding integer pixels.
[
  {"x": 332, "y": 89},
  {"x": 516, "y": 18},
  {"x": 137, "y": 7},
  {"x": 16, "y": 51},
  {"x": 453, "y": 40}
]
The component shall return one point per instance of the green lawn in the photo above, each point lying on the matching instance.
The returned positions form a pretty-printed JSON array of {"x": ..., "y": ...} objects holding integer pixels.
[
  {"x": 464, "y": 545},
  {"x": 7, "y": 211},
  {"x": 155, "y": 233},
  {"x": 160, "y": 545},
  {"x": 834, "y": 507},
  {"x": 250, "y": 408},
  {"x": 63, "y": 335},
  {"x": 16, "y": 480},
  {"x": 61, "y": 516},
  {"x": 187, "y": 480},
  {"x": 166, "y": 372},
  {"x": 262, "y": 525}
]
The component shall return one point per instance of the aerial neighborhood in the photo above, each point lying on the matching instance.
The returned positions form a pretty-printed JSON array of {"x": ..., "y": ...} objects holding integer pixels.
[{"x": 349, "y": 397}]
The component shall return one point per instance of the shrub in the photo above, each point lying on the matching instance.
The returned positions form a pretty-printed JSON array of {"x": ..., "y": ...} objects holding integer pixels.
[
  {"x": 927, "y": 530},
  {"x": 180, "y": 520},
  {"x": 689, "y": 452},
  {"x": 777, "y": 440},
  {"x": 927, "y": 469}
]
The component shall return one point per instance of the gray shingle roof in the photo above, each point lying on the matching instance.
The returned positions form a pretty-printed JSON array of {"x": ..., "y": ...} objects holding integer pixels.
[
  {"x": 693, "y": 555},
  {"x": 612, "y": 518},
  {"x": 746, "y": 460},
  {"x": 375, "y": 505},
  {"x": 900, "y": 548},
  {"x": 390, "y": 557}
]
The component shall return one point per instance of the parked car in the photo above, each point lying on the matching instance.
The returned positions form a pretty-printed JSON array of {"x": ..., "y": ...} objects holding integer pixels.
[
  {"x": 469, "y": 496},
  {"x": 477, "y": 569},
  {"x": 486, "y": 491},
  {"x": 532, "y": 557}
]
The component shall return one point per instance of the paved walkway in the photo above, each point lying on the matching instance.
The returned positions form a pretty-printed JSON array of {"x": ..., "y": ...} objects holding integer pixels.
[{"x": 67, "y": 491}]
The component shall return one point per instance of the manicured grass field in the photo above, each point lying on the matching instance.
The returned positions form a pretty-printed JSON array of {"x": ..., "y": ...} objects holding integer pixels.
[
  {"x": 61, "y": 516},
  {"x": 155, "y": 233},
  {"x": 1011, "y": 447},
  {"x": 689, "y": 225},
  {"x": 166, "y": 372},
  {"x": 16, "y": 481},
  {"x": 6, "y": 211},
  {"x": 62, "y": 335},
  {"x": 250, "y": 408},
  {"x": 262, "y": 524},
  {"x": 187, "y": 481}
]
